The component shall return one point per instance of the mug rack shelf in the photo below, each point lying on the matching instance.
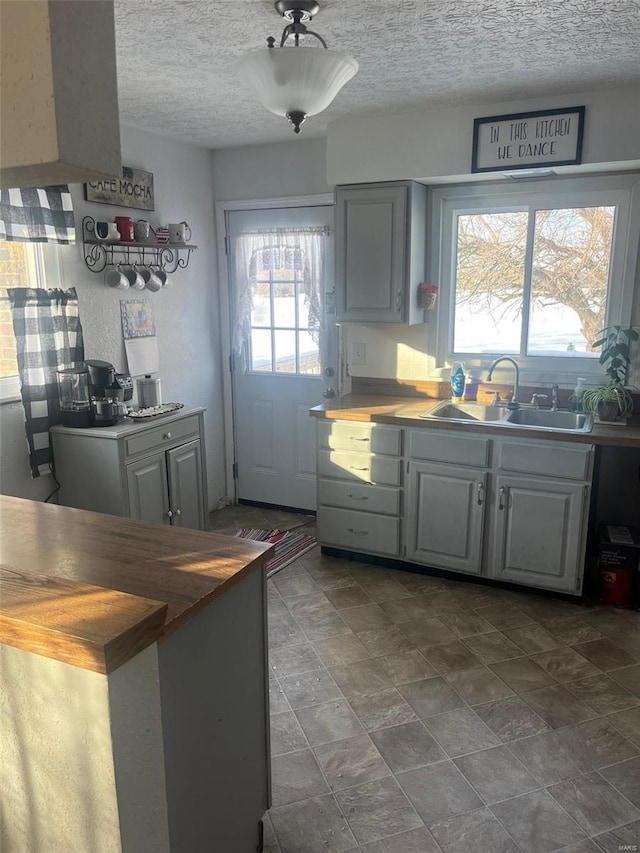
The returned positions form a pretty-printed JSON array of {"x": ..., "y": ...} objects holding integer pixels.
[{"x": 99, "y": 254}]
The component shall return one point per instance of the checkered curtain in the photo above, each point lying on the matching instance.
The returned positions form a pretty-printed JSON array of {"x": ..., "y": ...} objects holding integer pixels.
[
  {"x": 37, "y": 215},
  {"x": 48, "y": 337}
]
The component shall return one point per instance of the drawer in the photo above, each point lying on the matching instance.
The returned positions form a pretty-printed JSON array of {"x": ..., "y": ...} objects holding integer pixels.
[
  {"x": 359, "y": 531},
  {"x": 359, "y": 496},
  {"x": 439, "y": 446},
  {"x": 345, "y": 435},
  {"x": 550, "y": 459},
  {"x": 360, "y": 467},
  {"x": 166, "y": 435}
]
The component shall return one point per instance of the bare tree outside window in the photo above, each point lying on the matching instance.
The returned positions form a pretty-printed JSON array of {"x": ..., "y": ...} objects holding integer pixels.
[{"x": 569, "y": 276}]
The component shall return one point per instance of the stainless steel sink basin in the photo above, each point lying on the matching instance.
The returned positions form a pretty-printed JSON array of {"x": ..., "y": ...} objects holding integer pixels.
[
  {"x": 550, "y": 420},
  {"x": 466, "y": 412},
  {"x": 523, "y": 418}
]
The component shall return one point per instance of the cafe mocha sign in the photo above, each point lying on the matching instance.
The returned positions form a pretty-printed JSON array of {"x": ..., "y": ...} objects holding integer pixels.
[
  {"x": 133, "y": 189},
  {"x": 528, "y": 140}
]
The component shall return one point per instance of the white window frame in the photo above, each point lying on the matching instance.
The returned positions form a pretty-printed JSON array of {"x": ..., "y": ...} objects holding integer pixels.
[
  {"x": 448, "y": 202},
  {"x": 43, "y": 263}
]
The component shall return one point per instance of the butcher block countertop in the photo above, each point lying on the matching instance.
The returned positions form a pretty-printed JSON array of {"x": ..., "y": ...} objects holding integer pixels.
[
  {"x": 406, "y": 411},
  {"x": 94, "y": 590}
]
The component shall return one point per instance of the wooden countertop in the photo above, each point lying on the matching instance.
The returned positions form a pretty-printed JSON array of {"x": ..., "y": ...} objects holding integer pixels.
[
  {"x": 93, "y": 590},
  {"x": 406, "y": 411}
]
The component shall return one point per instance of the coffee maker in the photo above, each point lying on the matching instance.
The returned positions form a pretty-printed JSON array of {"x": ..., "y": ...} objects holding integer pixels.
[{"x": 108, "y": 392}]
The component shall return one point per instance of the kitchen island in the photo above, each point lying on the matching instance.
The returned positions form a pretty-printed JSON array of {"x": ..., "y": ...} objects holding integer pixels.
[{"x": 133, "y": 685}]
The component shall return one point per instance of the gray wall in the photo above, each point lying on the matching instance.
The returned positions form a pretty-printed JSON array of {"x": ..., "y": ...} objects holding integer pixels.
[
  {"x": 277, "y": 170},
  {"x": 186, "y": 315}
]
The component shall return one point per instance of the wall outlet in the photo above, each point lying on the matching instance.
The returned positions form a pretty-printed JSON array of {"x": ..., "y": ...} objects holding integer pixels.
[{"x": 358, "y": 353}]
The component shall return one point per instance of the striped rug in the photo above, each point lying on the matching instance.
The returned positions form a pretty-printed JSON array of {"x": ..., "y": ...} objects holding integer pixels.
[{"x": 290, "y": 544}]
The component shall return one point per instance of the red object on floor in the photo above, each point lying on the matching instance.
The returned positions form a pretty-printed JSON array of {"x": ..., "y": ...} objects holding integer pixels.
[{"x": 616, "y": 586}]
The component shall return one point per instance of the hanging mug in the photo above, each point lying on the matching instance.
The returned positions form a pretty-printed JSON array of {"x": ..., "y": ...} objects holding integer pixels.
[
  {"x": 165, "y": 279},
  {"x": 116, "y": 278},
  {"x": 134, "y": 278},
  {"x": 179, "y": 232},
  {"x": 151, "y": 280}
]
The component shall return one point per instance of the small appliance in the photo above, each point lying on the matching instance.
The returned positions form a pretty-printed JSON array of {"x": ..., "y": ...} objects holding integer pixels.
[
  {"x": 108, "y": 392},
  {"x": 73, "y": 390}
]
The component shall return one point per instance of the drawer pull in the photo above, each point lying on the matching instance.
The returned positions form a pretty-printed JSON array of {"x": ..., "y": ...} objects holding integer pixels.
[
  {"x": 167, "y": 435},
  {"x": 355, "y": 438},
  {"x": 355, "y": 468},
  {"x": 357, "y": 532},
  {"x": 358, "y": 497}
]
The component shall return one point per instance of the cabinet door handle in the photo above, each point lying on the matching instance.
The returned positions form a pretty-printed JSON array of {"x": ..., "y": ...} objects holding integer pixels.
[
  {"x": 355, "y": 468},
  {"x": 501, "y": 496},
  {"x": 169, "y": 514},
  {"x": 398, "y": 300},
  {"x": 178, "y": 512},
  {"x": 355, "y": 438},
  {"x": 358, "y": 497},
  {"x": 480, "y": 488},
  {"x": 167, "y": 435},
  {"x": 357, "y": 532}
]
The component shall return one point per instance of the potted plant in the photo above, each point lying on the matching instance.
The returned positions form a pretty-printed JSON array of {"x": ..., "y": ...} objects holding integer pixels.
[{"x": 612, "y": 401}]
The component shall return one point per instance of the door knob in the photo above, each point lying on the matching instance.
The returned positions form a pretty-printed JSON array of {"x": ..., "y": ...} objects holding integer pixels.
[
  {"x": 328, "y": 393},
  {"x": 169, "y": 514},
  {"x": 329, "y": 371},
  {"x": 178, "y": 512}
]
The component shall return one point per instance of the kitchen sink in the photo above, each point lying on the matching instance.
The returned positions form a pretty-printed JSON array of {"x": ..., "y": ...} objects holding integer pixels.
[
  {"x": 524, "y": 418},
  {"x": 466, "y": 412},
  {"x": 550, "y": 419}
]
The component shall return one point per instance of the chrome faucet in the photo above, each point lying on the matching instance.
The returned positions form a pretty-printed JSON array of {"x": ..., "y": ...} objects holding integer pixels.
[
  {"x": 554, "y": 398},
  {"x": 515, "y": 402}
]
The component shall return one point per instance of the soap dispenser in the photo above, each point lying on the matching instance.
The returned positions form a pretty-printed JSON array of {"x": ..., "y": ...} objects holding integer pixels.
[
  {"x": 578, "y": 392},
  {"x": 457, "y": 382}
]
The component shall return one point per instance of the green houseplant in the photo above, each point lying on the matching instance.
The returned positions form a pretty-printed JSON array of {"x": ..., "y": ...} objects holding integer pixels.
[{"x": 612, "y": 401}]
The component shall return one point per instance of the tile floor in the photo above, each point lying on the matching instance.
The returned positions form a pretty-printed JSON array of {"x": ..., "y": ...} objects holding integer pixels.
[{"x": 413, "y": 714}]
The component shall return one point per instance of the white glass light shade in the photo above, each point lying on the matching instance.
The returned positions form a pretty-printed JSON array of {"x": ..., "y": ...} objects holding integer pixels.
[{"x": 304, "y": 79}]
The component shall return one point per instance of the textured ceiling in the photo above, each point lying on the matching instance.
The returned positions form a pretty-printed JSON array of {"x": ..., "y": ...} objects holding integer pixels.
[{"x": 176, "y": 72}]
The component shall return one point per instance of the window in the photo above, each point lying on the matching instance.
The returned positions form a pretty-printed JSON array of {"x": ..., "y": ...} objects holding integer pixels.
[
  {"x": 535, "y": 270},
  {"x": 280, "y": 341},
  {"x": 21, "y": 265}
]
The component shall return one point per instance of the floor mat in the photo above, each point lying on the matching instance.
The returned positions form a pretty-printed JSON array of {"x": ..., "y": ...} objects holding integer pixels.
[{"x": 290, "y": 544}]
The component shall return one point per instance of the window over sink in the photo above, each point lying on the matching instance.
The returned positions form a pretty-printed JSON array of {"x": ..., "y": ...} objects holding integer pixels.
[{"x": 534, "y": 270}]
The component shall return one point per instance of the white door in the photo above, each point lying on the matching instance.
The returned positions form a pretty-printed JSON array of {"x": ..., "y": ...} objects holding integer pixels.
[{"x": 285, "y": 351}]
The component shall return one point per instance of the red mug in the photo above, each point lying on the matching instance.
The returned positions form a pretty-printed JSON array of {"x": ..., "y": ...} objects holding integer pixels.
[{"x": 124, "y": 224}]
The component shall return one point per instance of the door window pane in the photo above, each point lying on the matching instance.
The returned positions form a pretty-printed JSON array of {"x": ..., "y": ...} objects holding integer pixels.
[
  {"x": 285, "y": 349},
  {"x": 489, "y": 283},
  {"x": 284, "y": 305},
  {"x": 261, "y": 305},
  {"x": 569, "y": 280},
  {"x": 261, "y": 359},
  {"x": 309, "y": 355}
]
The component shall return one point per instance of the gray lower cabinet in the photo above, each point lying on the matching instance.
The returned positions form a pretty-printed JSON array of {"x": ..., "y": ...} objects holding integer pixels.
[
  {"x": 150, "y": 470},
  {"x": 445, "y": 517},
  {"x": 359, "y": 487},
  {"x": 511, "y": 509},
  {"x": 538, "y": 532}
]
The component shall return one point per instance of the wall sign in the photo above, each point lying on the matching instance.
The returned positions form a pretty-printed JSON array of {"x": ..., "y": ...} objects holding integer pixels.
[
  {"x": 528, "y": 140},
  {"x": 133, "y": 189}
]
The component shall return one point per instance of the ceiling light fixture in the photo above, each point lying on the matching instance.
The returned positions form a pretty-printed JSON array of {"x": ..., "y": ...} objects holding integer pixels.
[{"x": 295, "y": 80}]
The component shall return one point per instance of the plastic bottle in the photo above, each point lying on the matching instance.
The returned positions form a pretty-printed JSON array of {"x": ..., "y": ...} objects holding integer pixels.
[
  {"x": 457, "y": 382},
  {"x": 576, "y": 397}
]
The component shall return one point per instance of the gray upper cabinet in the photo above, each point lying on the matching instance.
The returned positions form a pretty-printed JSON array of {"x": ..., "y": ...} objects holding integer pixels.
[{"x": 380, "y": 252}]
